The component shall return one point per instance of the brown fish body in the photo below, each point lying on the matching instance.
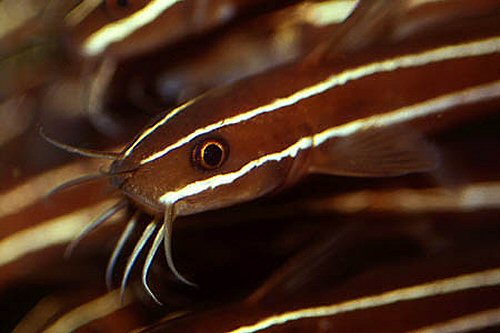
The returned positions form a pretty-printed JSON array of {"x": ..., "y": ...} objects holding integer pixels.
[
  {"x": 359, "y": 109},
  {"x": 249, "y": 48},
  {"x": 124, "y": 29},
  {"x": 315, "y": 116}
]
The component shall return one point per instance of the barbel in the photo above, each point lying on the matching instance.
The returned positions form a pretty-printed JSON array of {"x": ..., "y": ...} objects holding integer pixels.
[{"x": 356, "y": 109}]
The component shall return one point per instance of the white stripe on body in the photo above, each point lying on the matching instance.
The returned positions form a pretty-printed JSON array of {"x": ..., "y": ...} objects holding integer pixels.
[
  {"x": 426, "y": 108},
  {"x": 450, "y": 52},
  {"x": 121, "y": 29},
  {"x": 466, "y": 323},
  {"x": 151, "y": 129},
  {"x": 325, "y": 13},
  {"x": 488, "y": 278}
]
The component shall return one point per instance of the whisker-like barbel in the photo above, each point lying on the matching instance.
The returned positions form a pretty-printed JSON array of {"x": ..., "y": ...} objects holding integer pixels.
[
  {"x": 122, "y": 204},
  {"x": 157, "y": 242},
  {"x": 354, "y": 109},
  {"x": 79, "y": 151},
  {"x": 127, "y": 232},
  {"x": 75, "y": 182},
  {"x": 148, "y": 232},
  {"x": 167, "y": 230}
]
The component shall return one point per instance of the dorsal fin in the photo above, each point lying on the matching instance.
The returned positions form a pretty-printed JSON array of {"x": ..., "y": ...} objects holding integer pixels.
[{"x": 371, "y": 22}]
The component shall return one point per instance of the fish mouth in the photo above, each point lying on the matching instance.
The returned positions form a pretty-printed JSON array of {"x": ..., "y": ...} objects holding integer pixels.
[
  {"x": 122, "y": 174},
  {"x": 138, "y": 199},
  {"x": 120, "y": 171}
]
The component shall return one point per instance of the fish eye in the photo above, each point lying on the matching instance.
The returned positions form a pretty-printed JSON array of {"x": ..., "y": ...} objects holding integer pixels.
[
  {"x": 122, "y": 3},
  {"x": 116, "y": 4},
  {"x": 210, "y": 154}
]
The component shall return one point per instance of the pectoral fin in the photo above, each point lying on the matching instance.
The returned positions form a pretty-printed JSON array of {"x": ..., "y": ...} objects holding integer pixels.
[{"x": 375, "y": 152}]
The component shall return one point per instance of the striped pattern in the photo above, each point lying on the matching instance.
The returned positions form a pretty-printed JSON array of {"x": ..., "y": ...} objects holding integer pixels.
[
  {"x": 121, "y": 29},
  {"x": 426, "y": 108},
  {"x": 440, "y": 287},
  {"x": 458, "y": 51},
  {"x": 153, "y": 128}
]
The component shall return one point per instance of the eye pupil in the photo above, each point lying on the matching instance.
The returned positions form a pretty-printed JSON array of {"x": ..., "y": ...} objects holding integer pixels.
[
  {"x": 212, "y": 155},
  {"x": 122, "y": 3}
]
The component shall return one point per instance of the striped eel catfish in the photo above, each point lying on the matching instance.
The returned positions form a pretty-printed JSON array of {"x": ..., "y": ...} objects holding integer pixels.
[
  {"x": 123, "y": 28},
  {"x": 364, "y": 112},
  {"x": 100, "y": 34},
  {"x": 245, "y": 49}
]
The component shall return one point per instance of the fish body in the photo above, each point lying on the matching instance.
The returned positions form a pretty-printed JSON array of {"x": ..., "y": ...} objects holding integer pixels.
[
  {"x": 361, "y": 112},
  {"x": 121, "y": 29}
]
